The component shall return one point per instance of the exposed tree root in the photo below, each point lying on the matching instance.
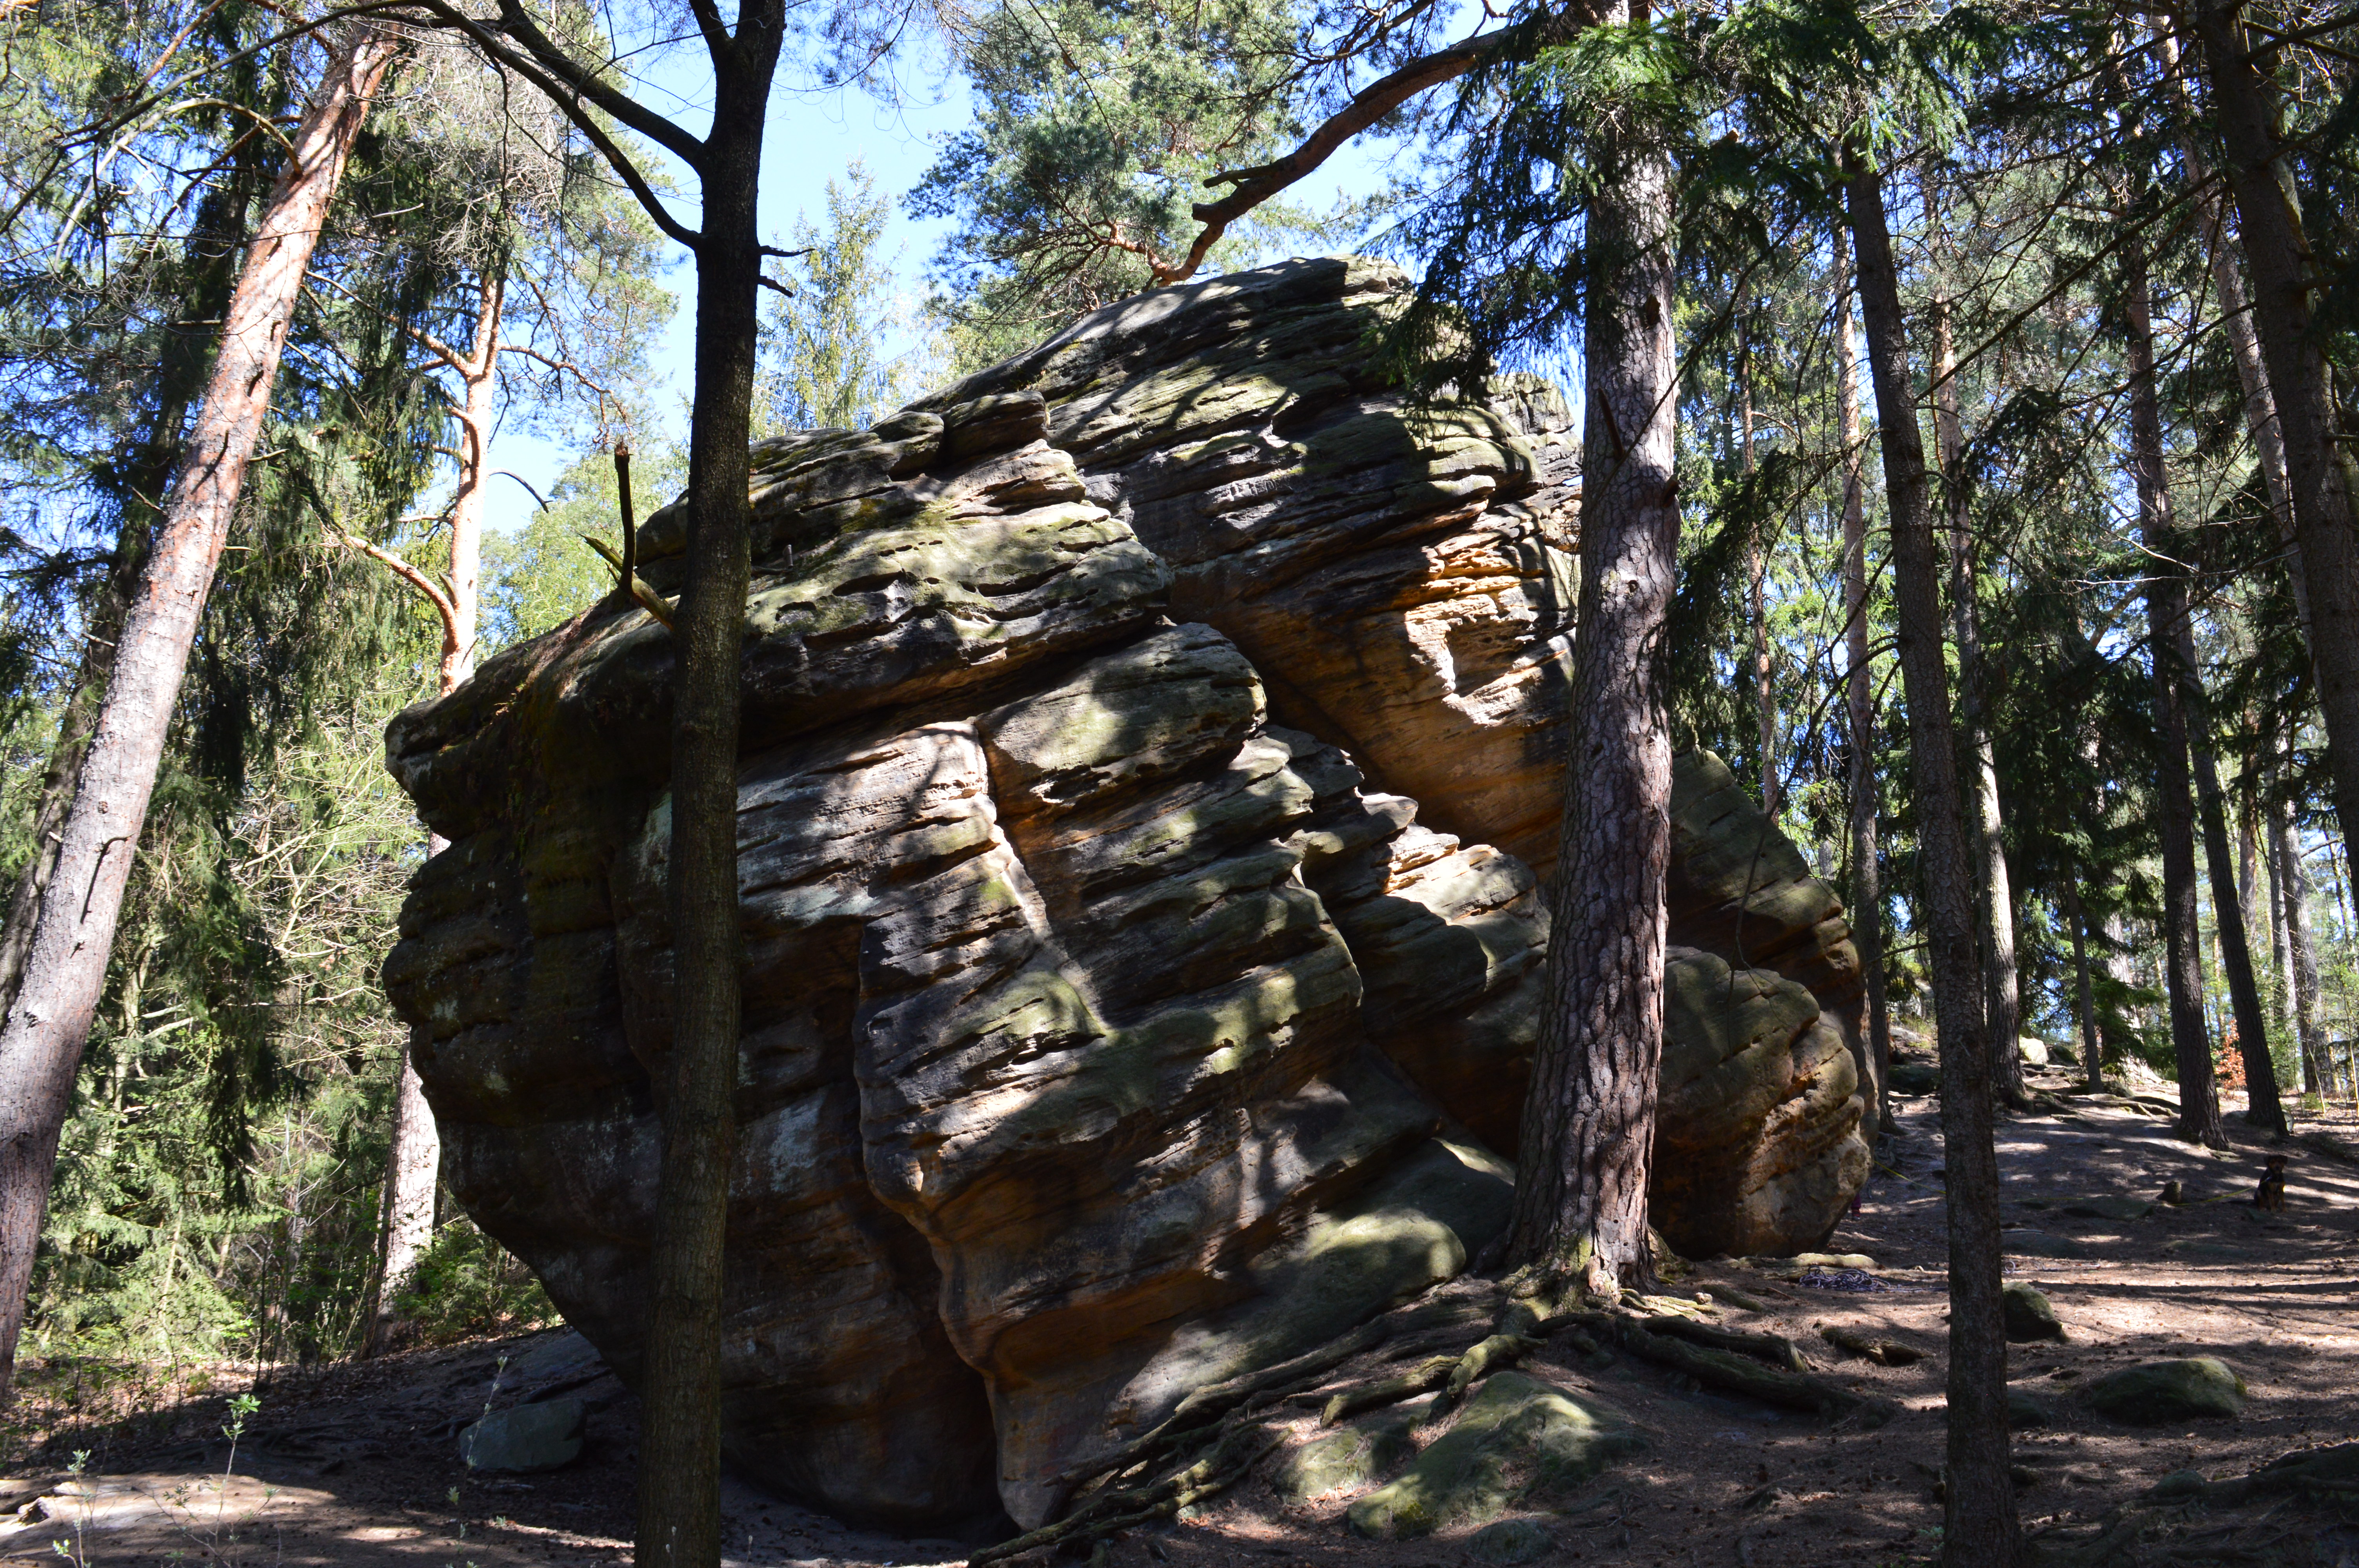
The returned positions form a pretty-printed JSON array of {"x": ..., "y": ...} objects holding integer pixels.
[
  {"x": 1429, "y": 1376},
  {"x": 1884, "y": 1352},
  {"x": 1775, "y": 1349},
  {"x": 1731, "y": 1371}
]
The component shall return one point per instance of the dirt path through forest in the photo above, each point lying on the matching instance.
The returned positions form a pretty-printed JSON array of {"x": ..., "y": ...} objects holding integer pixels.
[{"x": 360, "y": 1466}]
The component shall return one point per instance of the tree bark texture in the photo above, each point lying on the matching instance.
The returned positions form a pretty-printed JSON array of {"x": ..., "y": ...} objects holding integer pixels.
[
  {"x": 680, "y": 1445},
  {"x": 2276, "y": 255},
  {"x": 1993, "y": 889},
  {"x": 414, "y": 1161},
  {"x": 1859, "y": 697},
  {"x": 2262, "y": 1109},
  {"x": 2084, "y": 1008},
  {"x": 216, "y": 245},
  {"x": 2166, "y": 613},
  {"x": 1756, "y": 578},
  {"x": 2301, "y": 950},
  {"x": 1589, "y": 1120},
  {"x": 65, "y": 969},
  {"x": 1980, "y": 1528}
]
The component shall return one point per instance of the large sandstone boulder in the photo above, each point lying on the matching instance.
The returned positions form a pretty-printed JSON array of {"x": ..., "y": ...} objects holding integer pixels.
[{"x": 1130, "y": 1000}]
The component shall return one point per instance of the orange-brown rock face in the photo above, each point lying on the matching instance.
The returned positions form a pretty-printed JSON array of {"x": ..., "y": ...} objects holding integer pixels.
[{"x": 1131, "y": 1000}]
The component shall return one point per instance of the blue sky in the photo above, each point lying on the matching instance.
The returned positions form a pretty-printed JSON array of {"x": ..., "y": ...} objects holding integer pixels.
[{"x": 812, "y": 138}]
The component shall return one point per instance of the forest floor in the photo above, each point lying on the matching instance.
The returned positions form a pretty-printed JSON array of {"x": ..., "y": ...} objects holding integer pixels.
[{"x": 359, "y": 1464}]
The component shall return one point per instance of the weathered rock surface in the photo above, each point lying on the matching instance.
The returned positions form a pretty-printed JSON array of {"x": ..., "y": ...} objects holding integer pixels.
[
  {"x": 1519, "y": 1440},
  {"x": 2025, "y": 1314},
  {"x": 526, "y": 1439},
  {"x": 2155, "y": 1391},
  {"x": 1131, "y": 998}
]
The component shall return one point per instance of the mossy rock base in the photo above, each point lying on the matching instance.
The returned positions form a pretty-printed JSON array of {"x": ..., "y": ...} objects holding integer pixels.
[
  {"x": 1352, "y": 1457},
  {"x": 1518, "y": 1442},
  {"x": 2156, "y": 1392},
  {"x": 2028, "y": 1315},
  {"x": 1511, "y": 1541}
]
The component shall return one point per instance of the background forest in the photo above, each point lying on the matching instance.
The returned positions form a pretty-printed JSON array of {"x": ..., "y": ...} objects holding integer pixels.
[{"x": 222, "y": 1190}]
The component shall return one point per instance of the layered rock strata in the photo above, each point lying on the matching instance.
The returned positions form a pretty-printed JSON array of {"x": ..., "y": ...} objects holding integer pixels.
[{"x": 1118, "y": 1013}]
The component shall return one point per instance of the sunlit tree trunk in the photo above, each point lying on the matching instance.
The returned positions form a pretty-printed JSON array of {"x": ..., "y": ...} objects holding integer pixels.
[
  {"x": 215, "y": 246},
  {"x": 1980, "y": 1529},
  {"x": 2301, "y": 949},
  {"x": 2277, "y": 256},
  {"x": 1993, "y": 889},
  {"x": 65, "y": 968},
  {"x": 1589, "y": 1119},
  {"x": 1859, "y": 696},
  {"x": 414, "y": 1161}
]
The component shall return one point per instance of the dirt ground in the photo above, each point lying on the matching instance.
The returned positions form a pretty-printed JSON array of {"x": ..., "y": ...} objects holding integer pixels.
[{"x": 359, "y": 1464}]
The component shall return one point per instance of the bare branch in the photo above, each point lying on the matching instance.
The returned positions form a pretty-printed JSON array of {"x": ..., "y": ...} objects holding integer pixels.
[{"x": 1371, "y": 103}]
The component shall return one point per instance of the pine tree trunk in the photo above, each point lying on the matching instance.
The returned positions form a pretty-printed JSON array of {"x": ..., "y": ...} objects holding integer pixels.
[
  {"x": 2301, "y": 951},
  {"x": 2262, "y": 1109},
  {"x": 680, "y": 1441},
  {"x": 2166, "y": 613},
  {"x": 1993, "y": 889},
  {"x": 1589, "y": 1119},
  {"x": 216, "y": 240},
  {"x": 1980, "y": 1528},
  {"x": 65, "y": 969},
  {"x": 2084, "y": 1009},
  {"x": 414, "y": 1159},
  {"x": 1756, "y": 574},
  {"x": 1859, "y": 696},
  {"x": 2277, "y": 256}
]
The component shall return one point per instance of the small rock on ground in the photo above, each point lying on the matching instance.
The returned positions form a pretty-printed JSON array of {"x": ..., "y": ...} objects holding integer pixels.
[
  {"x": 2027, "y": 1314},
  {"x": 526, "y": 1440},
  {"x": 1511, "y": 1541},
  {"x": 2170, "y": 1390}
]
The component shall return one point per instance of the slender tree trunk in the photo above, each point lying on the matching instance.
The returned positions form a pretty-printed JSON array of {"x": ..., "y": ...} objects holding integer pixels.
[
  {"x": 1589, "y": 1120},
  {"x": 1756, "y": 574},
  {"x": 414, "y": 1162},
  {"x": 217, "y": 241},
  {"x": 2248, "y": 868},
  {"x": 2084, "y": 1008},
  {"x": 65, "y": 969},
  {"x": 1980, "y": 1528},
  {"x": 2301, "y": 971},
  {"x": 2166, "y": 611},
  {"x": 2262, "y": 1109},
  {"x": 1994, "y": 891},
  {"x": 680, "y": 1443},
  {"x": 2280, "y": 955},
  {"x": 2277, "y": 255},
  {"x": 1859, "y": 696}
]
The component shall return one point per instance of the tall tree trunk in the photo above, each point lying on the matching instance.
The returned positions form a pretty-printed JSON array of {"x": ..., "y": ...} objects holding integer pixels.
[
  {"x": 1859, "y": 696},
  {"x": 2262, "y": 1109},
  {"x": 1994, "y": 891},
  {"x": 680, "y": 1445},
  {"x": 215, "y": 245},
  {"x": 2280, "y": 955},
  {"x": 2236, "y": 314},
  {"x": 1589, "y": 1119},
  {"x": 1980, "y": 1528},
  {"x": 2084, "y": 1009},
  {"x": 1756, "y": 581},
  {"x": 414, "y": 1162},
  {"x": 2166, "y": 613},
  {"x": 2301, "y": 970},
  {"x": 65, "y": 969},
  {"x": 2277, "y": 254}
]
